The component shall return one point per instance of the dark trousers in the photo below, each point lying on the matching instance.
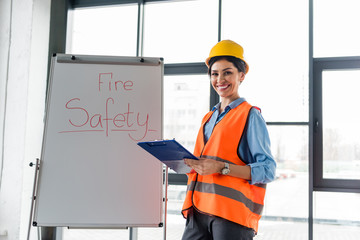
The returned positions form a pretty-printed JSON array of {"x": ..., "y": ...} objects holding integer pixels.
[{"x": 205, "y": 227}]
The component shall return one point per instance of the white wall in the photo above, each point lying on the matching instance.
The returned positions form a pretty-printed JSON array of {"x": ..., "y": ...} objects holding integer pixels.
[{"x": 24, "y": 34}]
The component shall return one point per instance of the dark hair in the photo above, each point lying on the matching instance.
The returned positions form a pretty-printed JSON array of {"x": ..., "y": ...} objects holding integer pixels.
[{"x": 238, "y": 63}]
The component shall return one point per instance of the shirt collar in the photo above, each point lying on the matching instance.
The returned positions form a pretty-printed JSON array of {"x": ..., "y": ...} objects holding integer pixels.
[{"x": 232, "y": 105}]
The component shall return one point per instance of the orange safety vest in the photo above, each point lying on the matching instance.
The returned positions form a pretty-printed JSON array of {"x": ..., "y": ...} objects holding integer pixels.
[{"x": 219, "y": 195}]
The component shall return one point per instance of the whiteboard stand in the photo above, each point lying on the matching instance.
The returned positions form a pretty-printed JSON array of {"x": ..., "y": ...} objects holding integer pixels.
[
  {"x": 99, "y": 107},
  {"x": 33, "y": 197}
]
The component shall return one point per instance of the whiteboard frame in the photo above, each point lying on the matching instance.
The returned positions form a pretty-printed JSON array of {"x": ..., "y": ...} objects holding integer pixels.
[{"x": 108, "y": 60}]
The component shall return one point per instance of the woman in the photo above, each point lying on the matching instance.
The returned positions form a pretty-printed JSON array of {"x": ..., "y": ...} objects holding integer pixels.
[{"x": 226, "y": 187}]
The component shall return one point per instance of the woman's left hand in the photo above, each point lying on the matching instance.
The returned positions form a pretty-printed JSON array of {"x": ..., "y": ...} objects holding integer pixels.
[{"x": 204, "y": 166}]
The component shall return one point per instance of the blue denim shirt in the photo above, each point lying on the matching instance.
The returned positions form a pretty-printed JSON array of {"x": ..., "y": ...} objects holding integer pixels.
[{"x": 254, "y": 149}]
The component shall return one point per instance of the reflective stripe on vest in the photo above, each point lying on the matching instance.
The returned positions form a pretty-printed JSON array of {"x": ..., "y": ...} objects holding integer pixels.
[{"x": 225, "y": 196}]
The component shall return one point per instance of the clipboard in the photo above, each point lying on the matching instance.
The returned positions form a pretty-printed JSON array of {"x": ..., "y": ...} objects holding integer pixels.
[{"x": 169, "y": 152}]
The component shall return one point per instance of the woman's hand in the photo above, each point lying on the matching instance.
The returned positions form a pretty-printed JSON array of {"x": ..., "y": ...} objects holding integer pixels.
[{"x": 204, "y": 166}]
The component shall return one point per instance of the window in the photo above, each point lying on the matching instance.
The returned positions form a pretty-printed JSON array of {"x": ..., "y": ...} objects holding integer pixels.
[
  {"x": 336, "y": 221},
  {"x": 180, "y": 31},
  {"x": 341, "y": 131},
  {"x": 336, "y": 28},
  {"x": 103, "y": 30},
  {"x": 112, "y": 30},
  {"x": 336, "y": 130},
  {"x": 334, "y": 151},
  {"x": 274, "y": 35},
  {"x": 189, "y": 95}
]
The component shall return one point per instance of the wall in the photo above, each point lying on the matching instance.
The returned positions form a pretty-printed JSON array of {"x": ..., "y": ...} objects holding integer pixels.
[{"x": 24, "y": 34}]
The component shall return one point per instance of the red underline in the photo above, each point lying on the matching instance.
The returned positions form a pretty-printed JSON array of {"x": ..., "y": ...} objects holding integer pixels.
[
  {"x": 114, "y": 130},
  {"x": 82, "y": 131},
  {"x": 123, "y": 130}
]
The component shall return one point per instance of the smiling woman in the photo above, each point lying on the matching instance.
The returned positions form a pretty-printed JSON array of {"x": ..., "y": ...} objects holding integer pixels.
[{"x": 226, "y": 186}]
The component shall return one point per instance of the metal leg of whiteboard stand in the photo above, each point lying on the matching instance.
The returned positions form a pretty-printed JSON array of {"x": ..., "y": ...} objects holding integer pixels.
[
  {"x": 37, "y": 170},
  {"x": 133, "y": 233},
  {"x": 48, "y": 233}
]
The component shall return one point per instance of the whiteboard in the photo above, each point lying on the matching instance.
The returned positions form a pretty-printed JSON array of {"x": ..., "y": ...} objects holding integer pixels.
[{"x": 92, "y": 173}]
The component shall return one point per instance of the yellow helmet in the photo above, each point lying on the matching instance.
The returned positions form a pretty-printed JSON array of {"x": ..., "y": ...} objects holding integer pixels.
[{"x": 227, "y": 48}]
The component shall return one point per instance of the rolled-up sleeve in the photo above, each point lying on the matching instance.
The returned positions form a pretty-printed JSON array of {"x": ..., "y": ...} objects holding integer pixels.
[{"x": 255, "y": 150}]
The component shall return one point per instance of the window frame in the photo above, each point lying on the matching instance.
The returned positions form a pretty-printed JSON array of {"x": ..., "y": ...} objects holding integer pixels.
[
  {"x": 314, "y": 122},
  {"x": 173, "y": 68},
  {"x": 321, "y": 183}
]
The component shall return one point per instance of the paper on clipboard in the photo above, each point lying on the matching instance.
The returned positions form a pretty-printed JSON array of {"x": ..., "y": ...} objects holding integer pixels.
[{"x": 169, "y": 152}]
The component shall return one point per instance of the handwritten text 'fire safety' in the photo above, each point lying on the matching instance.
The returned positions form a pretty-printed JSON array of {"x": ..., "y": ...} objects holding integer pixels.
[{"x": 135, "y": 124}]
